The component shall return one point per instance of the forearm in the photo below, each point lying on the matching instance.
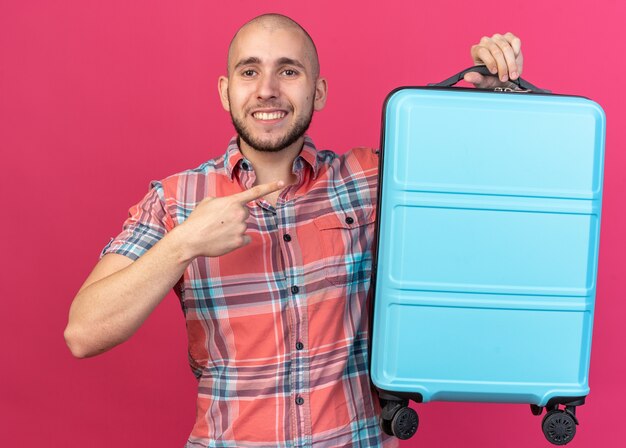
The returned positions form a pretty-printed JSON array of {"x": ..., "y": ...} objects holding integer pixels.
[
  {"x": 107, "y": 312},
  {"x": 119, "y": 297}
]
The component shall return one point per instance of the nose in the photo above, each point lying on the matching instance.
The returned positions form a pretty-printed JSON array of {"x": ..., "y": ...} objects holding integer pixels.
[{"x": 268, "y": 87}]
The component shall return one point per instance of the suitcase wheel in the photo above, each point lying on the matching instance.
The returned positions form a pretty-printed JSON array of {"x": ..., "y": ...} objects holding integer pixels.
[
  {"x": 398, "y": 419},
  {"x": 559, "y": 426},
  {"x": 403, "y": 425}
]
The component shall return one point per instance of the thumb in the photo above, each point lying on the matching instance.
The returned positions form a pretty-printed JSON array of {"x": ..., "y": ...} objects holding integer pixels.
[{"x": 474, "y": 78}]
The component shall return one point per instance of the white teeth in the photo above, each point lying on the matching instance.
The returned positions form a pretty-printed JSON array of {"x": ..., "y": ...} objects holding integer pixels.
[{"x": 269, "y": 115}]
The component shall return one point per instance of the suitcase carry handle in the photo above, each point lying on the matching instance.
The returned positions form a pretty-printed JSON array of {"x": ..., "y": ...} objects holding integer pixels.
[{"x": 483, "y": 70}]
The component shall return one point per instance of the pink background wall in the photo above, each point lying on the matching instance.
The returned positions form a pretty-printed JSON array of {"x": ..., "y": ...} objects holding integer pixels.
[{"x": 98, "y": 98}]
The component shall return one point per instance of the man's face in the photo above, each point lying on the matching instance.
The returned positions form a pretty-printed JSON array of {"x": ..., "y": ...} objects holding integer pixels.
[{"x": 271, "y": 90}]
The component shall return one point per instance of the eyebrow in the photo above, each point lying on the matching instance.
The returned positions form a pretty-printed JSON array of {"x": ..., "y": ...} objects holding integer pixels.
[
  {"x": 281, "y": 61},
  {"x": 289, "y": 61},
  {"x": 247, "y": 61}
]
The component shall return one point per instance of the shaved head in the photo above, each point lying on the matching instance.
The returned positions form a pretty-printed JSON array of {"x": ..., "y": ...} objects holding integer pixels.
[{"x": 273, "y": 22}]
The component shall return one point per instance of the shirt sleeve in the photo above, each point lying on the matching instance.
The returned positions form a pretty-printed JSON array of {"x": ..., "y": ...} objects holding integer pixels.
[{"x": 148, "y": 221}]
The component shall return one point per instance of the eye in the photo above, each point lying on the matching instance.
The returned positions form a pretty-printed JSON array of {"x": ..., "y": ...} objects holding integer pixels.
[
  {"x": 290, "y": 72},
  {"x": 248, "y": 73}
]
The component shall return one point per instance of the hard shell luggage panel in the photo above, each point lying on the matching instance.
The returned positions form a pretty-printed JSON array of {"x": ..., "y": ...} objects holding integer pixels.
[{"x": 488, "y": 242}]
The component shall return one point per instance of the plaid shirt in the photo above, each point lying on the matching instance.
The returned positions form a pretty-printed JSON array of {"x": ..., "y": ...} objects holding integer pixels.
[{"x": 278, "y": 329}]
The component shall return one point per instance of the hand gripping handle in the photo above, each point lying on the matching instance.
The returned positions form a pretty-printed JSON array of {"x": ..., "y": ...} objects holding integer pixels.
[{"x": 483, "y": 70}]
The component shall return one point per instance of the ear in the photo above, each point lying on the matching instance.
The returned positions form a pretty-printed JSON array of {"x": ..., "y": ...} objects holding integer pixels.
[
  {"x": 222, "y": 87},
  {"x": 321, "y": 91}
]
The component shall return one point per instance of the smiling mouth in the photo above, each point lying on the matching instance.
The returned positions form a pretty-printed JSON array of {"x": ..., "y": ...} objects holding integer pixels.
[{"x": 267, "y": 116}]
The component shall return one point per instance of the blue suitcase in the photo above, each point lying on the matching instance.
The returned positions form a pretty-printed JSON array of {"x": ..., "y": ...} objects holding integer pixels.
[{"x": 487, "y": 243}]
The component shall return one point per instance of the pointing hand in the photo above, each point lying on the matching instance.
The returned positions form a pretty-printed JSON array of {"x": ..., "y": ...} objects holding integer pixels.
[{"x": 218, "y": 225}]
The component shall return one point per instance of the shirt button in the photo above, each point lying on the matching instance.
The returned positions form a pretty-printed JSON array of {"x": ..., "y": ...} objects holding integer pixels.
[
  {"x": 349, "y": 220},
  {"x": 245, "y": 166},
  {"x": 299, "y": 345},
  {"x": 287, "y": 237},
  {"x": 299, "y": 400},
  {"x": 295, "y": 289}
]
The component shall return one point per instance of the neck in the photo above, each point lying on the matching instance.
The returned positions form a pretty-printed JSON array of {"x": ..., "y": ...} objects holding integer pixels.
[{"x": 271, "y": 166}]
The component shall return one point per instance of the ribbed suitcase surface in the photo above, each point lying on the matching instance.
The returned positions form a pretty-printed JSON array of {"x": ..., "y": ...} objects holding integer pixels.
[{"x": 489, "y": 221}]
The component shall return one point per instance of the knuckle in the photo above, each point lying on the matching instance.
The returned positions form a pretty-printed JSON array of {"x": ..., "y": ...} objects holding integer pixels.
[
  {"x": 242, "y": 240},
  {"x": 484, "y": 51},
  {"x": 494, "y": 47},
  {"x": 234, "y": 200},
  {"x": 502, "y": 42}
]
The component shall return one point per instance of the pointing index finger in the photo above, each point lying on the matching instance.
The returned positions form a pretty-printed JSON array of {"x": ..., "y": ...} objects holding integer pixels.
[{"x": 258, "y": 191}]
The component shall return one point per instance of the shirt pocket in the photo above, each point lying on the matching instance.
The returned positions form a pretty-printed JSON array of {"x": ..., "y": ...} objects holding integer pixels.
[{"x": 345, "y": 238}]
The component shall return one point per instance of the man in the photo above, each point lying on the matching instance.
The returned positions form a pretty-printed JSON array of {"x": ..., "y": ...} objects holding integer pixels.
[{"x": 268, "y": 249}]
